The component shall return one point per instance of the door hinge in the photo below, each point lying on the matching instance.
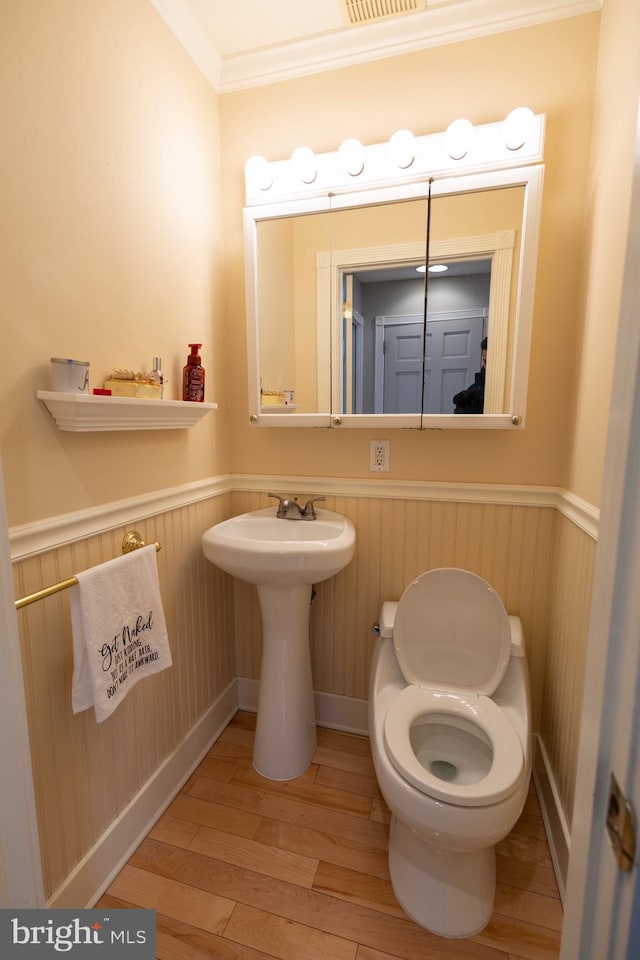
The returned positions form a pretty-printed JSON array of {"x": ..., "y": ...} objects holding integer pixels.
[{"x": 621, "y": 826}]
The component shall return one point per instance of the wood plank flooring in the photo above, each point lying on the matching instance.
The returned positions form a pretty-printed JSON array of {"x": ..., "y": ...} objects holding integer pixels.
[{"x": 243, "y": 868}]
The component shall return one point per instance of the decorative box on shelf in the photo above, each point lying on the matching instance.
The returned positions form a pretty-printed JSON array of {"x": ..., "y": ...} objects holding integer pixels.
[{"x": 88, "y": 412}]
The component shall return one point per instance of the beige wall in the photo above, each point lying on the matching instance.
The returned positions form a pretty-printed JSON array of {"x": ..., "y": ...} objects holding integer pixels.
[
  {"x": 111, "y": 243},
  {"x": 114, "y": 251},
  {"x": 608, "y": 196},
  {"x": 481, "y": 79},
  {"x": 607, "y": 202}
]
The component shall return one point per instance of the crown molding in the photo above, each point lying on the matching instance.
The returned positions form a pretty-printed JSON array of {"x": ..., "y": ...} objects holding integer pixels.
[
  {"x": 436, "y": 26},
  {"x": 188, "y": 31}
]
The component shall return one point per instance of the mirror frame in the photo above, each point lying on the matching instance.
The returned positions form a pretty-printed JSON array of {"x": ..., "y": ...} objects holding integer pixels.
[{"x": 489, "y": 165}]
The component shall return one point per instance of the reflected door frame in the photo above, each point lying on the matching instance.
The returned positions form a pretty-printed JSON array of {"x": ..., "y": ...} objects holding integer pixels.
[
  {"x": 357, "y": 365},
  {"x": 333, "y": 265}
]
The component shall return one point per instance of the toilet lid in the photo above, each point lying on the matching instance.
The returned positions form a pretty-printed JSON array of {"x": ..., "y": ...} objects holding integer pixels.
[{"x": 452, "y": 632}]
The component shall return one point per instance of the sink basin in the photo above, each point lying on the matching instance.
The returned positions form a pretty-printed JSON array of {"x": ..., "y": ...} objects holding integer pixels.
[
  {"x": 261, "y": 548},
  {"x": 284, "y": 558}
]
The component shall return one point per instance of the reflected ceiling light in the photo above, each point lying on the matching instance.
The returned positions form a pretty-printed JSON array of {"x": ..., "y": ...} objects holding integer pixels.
[
  {"x": 434, "y": 268},
  {"x": 351, "y": 154},
  {"x": 402, "y": 148},
  {"x": 258, "y": 173},
  {"x": 518, "y": 127},
  {"x": 305, "y": 166},
  {"x": 458, "y": 138}
]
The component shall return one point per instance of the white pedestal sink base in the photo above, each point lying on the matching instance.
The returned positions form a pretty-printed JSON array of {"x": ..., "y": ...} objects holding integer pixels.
[
  {"x": 285, "y": 739},
  {"x": 283, "y": 558}
]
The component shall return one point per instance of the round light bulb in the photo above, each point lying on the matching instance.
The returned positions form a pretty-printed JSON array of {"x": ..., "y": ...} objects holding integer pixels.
[
  {"x": 402, "y": 148},
  {"x": 438, "y": 268},
  {"x": 304, "y": 164},
  {"x": 351, "y": 154},
  {"x": 458, "y": 138},
  {"x": 258, "y": 173},
  {"x": 518, "y": 127}
]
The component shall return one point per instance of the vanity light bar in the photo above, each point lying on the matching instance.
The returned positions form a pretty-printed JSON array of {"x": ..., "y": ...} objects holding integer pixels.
[{"x": 461, "y": 149}]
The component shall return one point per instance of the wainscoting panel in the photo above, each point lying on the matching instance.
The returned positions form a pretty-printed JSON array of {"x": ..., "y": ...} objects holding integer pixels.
[
  {"x": 397, "y": 539},
  {"x": 537, "y": 555},
  {"x": 572, "y": 575},
  {"x": 86, "y": 773}
]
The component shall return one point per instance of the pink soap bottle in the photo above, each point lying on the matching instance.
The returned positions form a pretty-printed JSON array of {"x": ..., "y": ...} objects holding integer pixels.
[{"x": 193, "y": 376}]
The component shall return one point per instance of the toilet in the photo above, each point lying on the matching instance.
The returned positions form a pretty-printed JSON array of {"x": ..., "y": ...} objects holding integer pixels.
[{"x": 450, "y": 729}]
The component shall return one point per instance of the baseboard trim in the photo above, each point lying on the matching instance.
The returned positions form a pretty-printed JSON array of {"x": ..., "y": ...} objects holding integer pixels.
[
  {"x": 556, "y": 827},
  {"x": 91, "y": 877},
  {"x": 347, "y": 714}
]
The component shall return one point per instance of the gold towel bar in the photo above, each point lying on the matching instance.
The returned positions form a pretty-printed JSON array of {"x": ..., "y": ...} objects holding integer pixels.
[{"x": 132, "y": 541}]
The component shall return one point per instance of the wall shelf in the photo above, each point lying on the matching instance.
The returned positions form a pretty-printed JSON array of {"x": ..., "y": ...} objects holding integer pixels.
[{"x": 90, "y": 413}]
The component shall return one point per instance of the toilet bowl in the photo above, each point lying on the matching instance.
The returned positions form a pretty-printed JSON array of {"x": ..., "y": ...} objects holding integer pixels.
[{"x": 449, "y": 721}]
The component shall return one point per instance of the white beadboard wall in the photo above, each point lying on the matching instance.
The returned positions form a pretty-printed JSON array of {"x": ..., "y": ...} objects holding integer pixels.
[
  {"x": 535, "y": 546},
  {"x": 510, "y": 546},
  {"x": 86, "y": 773},
  {"x": 569, "y": 610}
]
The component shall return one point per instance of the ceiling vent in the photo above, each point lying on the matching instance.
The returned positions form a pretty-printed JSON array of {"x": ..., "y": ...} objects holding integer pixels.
[{"x": 368, "y": 11}]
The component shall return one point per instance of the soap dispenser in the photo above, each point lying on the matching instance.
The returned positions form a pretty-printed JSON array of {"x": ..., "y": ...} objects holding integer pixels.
[{"x": 193, "y": 376}]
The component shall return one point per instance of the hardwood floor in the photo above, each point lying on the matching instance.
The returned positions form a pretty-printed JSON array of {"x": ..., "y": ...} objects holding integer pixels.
[{"x": 248, "y": 868}]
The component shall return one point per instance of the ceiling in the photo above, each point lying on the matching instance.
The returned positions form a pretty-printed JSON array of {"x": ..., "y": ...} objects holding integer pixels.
[
  {"x": 458, "y": 268},
  {"x": 247, "y": 43}
]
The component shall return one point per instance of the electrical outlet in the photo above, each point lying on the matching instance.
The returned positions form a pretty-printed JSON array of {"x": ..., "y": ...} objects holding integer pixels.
[{"x": 379, "y": 456}]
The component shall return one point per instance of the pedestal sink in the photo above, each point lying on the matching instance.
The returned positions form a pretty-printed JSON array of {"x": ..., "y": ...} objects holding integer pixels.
[{"x": 284, "y": 558}]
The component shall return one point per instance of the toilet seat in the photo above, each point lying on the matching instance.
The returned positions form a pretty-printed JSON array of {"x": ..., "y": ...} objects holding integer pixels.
[
  {"x": 452, "y": 640},
  {"x": 485, "y": 720}
]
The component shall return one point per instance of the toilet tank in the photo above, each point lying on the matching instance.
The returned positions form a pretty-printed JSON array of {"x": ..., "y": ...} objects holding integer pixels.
[
  {"x": 514, "y": 692},
  {"x": 387, "y": 618}
]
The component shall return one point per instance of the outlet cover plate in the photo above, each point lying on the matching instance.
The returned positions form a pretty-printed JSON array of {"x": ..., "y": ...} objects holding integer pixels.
[{"x": 379, "y": 456}]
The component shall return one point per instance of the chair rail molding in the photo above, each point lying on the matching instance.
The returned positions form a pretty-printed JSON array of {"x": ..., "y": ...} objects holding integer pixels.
[
  {"x": 41, "y": 535},
  {"x": 31, "y": 538},
  {"x": 579, "y": 511}
]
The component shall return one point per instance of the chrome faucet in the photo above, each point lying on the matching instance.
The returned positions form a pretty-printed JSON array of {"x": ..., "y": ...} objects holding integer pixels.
[{"x": 290, "y": 509}]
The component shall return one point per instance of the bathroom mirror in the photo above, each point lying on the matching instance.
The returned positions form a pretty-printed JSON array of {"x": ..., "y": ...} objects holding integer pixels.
[
  {"x": 293, "y": 326},
  {"x": 377, "y": 262},
  {"x": 336, "y": 306}
]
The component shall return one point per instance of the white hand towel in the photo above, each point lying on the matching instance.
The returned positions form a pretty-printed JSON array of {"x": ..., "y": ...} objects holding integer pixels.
[{"x": 119, "y": 630}]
